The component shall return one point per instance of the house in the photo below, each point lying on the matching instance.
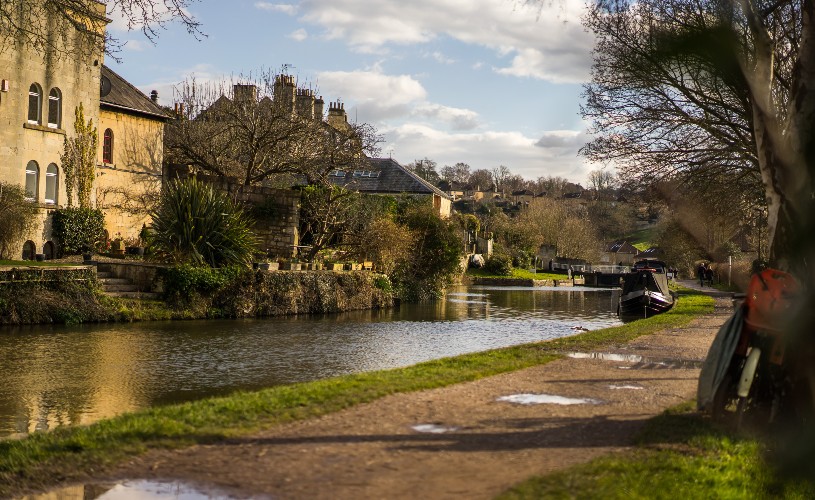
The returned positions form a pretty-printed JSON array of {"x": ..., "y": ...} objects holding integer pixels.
[
  {"x": 387, "y": 176},
  {"x": 619, "y": 251},
  {"x": 131, "y": 151},
  {"x": 40, "y": 89},
  {"x": 523, "y": 197},
  {"x": 455, "y": 190}
]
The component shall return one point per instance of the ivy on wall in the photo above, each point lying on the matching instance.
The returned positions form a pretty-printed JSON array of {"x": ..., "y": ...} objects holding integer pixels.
[{"x": 79, "y": 160}]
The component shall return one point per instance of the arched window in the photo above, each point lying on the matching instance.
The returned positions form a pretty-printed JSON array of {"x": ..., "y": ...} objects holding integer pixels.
[
  {"x": 55, "y": 108},
  {"x": 34, "y": 104},
  {"x": 107, "y": 146},
  {"x": 29, "y": 250},
  {"x": 51, "y": 184},
  {"x": 32, "y": 180},
  {"x": 49, "y": 250}
]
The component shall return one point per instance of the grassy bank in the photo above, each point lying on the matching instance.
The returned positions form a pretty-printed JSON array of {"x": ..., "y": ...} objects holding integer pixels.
[
  {"x": 679, "y": 455},
  {"x": 517, "y": 274},
  {"x": 67, "y": 453}
]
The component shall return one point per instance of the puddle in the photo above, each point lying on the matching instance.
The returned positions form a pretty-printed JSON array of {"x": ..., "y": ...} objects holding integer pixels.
[
  {"x": 129, "y": 490},
  {"x": 626, "y": 387},
  {"x": 547, "y": 399},
  {"x": 640, "y": 362},
  {"x": 433, "y": 428}
]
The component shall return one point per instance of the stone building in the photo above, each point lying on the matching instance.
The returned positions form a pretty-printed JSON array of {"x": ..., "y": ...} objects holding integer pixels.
[{"x": 40, "y": 88}]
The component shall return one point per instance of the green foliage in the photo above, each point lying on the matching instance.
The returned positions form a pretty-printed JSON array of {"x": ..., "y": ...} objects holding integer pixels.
[
  {"x": 78, "y": 230},
  {"x": 79, "y": 160},
  {"x": 435, "y": 257},
  {"x": 470, "y": 223},
  {"x": 186, "y": 280},
  {"x": 383, "y": 283},
  {"x": 17, "y": 215},
  {"x": 198, "y": 224},
  {"x": 499, "y": 264}
]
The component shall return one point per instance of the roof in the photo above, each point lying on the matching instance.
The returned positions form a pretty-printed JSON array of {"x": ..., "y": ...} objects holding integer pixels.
[
  {"x": 125, "y": 97},
  {"x": 390, "y": 177},
  {"x": 621, "y": 246}
]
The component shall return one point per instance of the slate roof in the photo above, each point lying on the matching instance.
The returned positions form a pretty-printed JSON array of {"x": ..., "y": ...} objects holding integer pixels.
[
  {"x": 123, "y": 96},
  {"x": 621, "y": 246},
  {"x": 392, "y": 178}
]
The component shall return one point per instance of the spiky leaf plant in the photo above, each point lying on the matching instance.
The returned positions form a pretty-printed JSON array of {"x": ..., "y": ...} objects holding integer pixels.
[{"x": 198, "y": 224}]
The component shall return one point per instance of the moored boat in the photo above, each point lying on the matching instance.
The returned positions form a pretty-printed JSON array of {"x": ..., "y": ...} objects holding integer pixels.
[{"x": 645, "y": 293}]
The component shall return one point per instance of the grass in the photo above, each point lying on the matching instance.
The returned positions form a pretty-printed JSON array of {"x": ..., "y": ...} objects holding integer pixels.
[
  {"x": 66, "y": 452},
  {"x": 680, "y": 454},
  {"x": 642, "y": 239},
  {"x": 34, "y": 263},
  {"x": 518, "y": 274}
]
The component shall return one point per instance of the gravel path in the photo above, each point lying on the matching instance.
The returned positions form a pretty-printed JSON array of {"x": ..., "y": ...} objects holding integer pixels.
[{"x": 472, "y": 445}]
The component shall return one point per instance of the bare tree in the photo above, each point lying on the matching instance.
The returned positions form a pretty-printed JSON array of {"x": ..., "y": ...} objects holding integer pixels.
[
  {"x": 426, "y": 169},
  {"x": 500, "y": 176},
  {"x": 460, "y": 172},
  {"x": 481, "y": 179},
  {"x": 45, "y": 25},
  {"x": 254, "y": 131}
]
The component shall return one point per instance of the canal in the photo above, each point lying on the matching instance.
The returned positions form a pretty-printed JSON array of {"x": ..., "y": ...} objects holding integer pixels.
[{"x": 56, "y": 375}]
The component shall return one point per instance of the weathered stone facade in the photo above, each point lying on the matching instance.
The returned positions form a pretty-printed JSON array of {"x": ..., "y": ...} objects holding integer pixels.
[{"x": 39, "y": 91}]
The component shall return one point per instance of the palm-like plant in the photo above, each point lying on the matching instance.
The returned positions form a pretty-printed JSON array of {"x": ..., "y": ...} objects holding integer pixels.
[{"x": 195, "y": 223}]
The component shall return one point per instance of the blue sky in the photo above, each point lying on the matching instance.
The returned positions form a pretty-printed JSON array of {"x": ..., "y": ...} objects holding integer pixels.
[{"x": 484, "y": 82}]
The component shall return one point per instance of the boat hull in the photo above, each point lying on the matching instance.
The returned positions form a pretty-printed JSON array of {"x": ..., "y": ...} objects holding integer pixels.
[{"x": 644, "y": 294}]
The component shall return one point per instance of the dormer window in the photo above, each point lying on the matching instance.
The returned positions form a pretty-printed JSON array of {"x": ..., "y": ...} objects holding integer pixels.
[
  {"x": 55, "y": 108},
  {"x": 34, "y": 104}
]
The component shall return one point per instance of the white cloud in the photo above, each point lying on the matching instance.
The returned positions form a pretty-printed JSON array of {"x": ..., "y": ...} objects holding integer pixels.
[
  {"x": 486, "y": 149},
  {"x": 549, "y": 44},
  {"x": 299, "y": 35},
  {"x": 568, "y": 139},
  {"x": 441, "y": 58},
  {"x": 135, "y": 45},
  {"x": 456, "y": 118},
  {"x": 376, "y": 95},
  {"x": 277, "y": 7}
]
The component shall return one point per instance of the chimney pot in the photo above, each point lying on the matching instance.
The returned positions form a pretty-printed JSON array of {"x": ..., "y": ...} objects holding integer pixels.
[{"x": 154, "y": 95}]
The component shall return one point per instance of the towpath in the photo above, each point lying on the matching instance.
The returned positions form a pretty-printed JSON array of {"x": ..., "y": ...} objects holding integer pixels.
[{"x": 461, "y": 441}]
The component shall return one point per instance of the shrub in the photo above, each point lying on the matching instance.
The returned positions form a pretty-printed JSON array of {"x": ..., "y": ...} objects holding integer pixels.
[
  {"x": 499, "y": 264},
  {"x": 197, "y": 224},
  {"x": 187, "y": 282},
  {"x": 78, "y": 230},
  {"x": 17, "y": 215},
  {"x": 436, "y": 254}
]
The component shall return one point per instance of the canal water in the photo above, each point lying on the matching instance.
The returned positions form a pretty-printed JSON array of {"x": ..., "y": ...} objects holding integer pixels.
[{"x": 57, "y": 375}]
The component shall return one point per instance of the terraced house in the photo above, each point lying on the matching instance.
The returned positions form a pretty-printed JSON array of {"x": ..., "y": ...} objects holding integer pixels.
[{"x": 42, "y": 83}]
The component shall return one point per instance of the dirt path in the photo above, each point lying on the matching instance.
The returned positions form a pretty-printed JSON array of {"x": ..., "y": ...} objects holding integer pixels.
[{"x": 374, "y": 451}]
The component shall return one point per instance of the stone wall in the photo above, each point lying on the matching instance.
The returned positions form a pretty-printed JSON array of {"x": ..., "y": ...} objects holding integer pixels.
[{"x": 276, "y": 212}]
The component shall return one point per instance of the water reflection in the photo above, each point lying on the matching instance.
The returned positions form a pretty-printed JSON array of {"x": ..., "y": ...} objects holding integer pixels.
[
  {"x": 128, "y": 490},
  {"x": 56, "y": 375}
]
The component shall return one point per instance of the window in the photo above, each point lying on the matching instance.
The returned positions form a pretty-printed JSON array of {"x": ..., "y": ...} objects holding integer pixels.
[
  {"x": 366, "y": 173},
  {"x": 55, "y": 108},
  {"x": 29, "y": 250},
  {"x": 51, "y": 184},
  {"x": 34, "y": 104},
  {"x": 107, "y": 147},
  {"x": 32, "y": 180}
]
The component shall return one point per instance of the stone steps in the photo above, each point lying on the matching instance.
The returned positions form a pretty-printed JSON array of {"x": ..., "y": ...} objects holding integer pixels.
[{"x": 121, "y": 287}]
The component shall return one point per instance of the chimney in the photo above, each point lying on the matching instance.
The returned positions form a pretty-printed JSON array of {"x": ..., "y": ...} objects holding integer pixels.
[
  {"x": 337, "y": 117},
  {"x": 319, "y": 105},
  {"x": 284, "y": 92},
  {"x": 244, "y": 92},
  {"x": 305, "y": 103},
  {"x": 154, "y": 96}
]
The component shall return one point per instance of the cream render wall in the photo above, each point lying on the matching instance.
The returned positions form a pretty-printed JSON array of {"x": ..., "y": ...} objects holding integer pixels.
[
  {"x": 124, "y": 188},
  {"x": 77, "y": 78}
]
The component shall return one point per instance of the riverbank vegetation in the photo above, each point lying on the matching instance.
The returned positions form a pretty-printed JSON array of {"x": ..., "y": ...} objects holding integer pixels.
[
  {"x": 72, "y": 453},
  {"x": 679, "y": 453}
]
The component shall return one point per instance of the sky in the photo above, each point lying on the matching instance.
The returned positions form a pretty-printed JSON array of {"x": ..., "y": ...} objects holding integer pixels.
[{"x": 483, "y": 82}]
